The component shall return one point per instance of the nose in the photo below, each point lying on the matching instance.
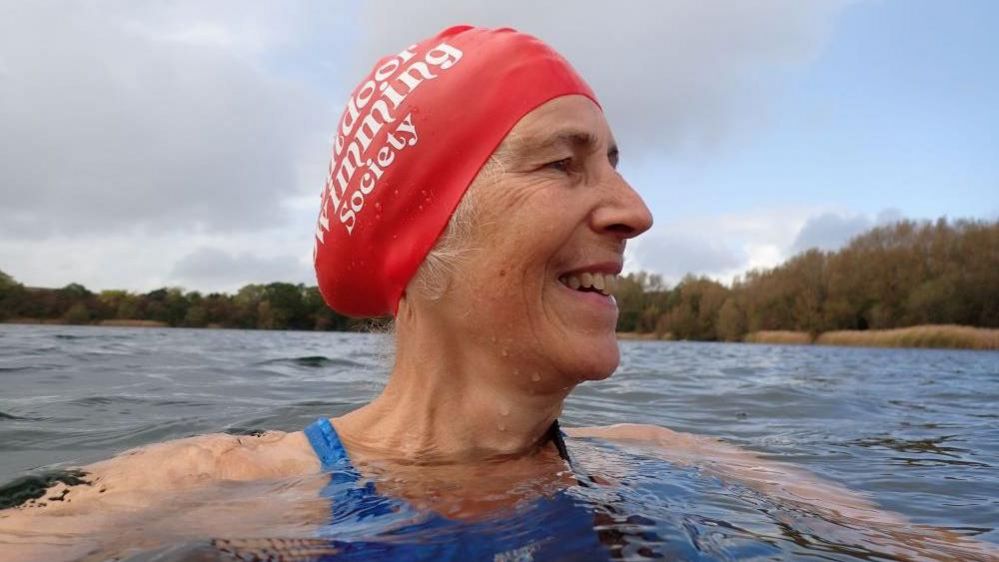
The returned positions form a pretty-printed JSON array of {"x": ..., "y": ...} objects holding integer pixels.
[{"x": 622, "y": 213}]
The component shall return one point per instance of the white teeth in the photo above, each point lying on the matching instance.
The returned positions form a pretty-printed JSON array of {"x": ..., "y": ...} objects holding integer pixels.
[{"x": 603, "y": 283}]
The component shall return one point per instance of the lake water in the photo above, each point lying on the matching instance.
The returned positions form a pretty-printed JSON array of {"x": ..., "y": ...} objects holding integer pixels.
[{"x": 915, "y": 430}]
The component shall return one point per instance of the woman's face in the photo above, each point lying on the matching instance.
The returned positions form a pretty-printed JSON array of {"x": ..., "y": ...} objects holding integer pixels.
[{"x": 549, "y": 237}]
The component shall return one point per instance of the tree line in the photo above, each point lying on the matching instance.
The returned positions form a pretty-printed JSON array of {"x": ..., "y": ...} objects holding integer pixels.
[
  {"x": 894, "y": 276},
  {"x": 274, "y": 306},
  {"x": 900, "y": 275}
]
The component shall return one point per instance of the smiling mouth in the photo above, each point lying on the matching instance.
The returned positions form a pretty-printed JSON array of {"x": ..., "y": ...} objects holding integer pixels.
[{"x": 586, "y": 282}]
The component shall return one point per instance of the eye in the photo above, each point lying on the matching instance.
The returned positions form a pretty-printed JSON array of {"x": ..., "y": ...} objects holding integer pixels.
[{"x": 564, "y": 165}]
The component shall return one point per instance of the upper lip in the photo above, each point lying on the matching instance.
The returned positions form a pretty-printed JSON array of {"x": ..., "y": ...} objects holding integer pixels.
[{"x": 609, "y": 267}]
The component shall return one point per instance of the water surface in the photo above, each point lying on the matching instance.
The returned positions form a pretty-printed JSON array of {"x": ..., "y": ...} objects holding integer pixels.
[{"x": 915, "y": 430}]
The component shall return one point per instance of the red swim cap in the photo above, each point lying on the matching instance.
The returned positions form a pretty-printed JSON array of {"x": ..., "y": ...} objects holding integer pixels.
[{"x": 413, "y": 137}]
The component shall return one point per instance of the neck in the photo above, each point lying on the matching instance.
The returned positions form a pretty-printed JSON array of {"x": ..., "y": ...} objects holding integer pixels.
[{"x": 452, "y": 399}]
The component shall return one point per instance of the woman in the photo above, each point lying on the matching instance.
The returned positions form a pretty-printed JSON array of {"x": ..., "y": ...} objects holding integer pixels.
[{"x": 473, "y": 195}]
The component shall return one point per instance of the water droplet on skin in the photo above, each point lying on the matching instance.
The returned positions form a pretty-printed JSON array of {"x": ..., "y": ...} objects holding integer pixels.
[
  {"x": 504, "y": 411},
  {"x": 501, "y": 427},
  {"x": 506, "y": 353},
  {"x": 536, "y": 377}
]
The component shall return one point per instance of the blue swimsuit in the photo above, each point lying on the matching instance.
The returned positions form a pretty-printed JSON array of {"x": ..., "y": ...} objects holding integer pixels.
[{"x": 367, "y": 526}]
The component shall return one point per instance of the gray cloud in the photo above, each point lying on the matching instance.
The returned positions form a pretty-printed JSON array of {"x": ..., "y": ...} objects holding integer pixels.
[
  {"x": 132, "y": 133},
  {"x": 670, "y": 75},
  {"x": 831, "y": 231},
  {"x": 676, "y": 254},
  {"x": 213, "y": 267},
  {"x": 124, "y": 116}
]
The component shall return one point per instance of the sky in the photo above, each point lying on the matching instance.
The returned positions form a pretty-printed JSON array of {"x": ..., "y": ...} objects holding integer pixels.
[{"x": 185, "y": 144}]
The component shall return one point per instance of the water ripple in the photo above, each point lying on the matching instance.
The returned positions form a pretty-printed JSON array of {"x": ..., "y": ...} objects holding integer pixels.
[{"x": 914, "y": 429}]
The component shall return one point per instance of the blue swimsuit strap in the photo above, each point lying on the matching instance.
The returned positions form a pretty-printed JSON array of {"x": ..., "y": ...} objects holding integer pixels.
[{"x": 327, "y": 445}]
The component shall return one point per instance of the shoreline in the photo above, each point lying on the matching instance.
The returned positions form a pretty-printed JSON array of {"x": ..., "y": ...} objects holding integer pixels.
[
  {"x": 927, "y": 336},
  {"x": 101, "y": 324}
]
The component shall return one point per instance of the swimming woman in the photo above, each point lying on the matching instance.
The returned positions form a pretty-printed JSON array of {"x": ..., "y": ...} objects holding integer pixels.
[{"x": 473, "y": 195}]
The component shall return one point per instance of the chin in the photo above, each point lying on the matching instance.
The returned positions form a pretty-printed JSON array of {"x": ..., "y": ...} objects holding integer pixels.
[{"x": 598, "y": 360}]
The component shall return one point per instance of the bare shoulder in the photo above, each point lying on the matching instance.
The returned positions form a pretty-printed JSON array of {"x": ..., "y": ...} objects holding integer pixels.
[
  {"x": 134, "y": 478},
  {"x": 735, "y": 463},
  {"x": 780, "y": 480},
  {"x": 72, "y": 515},
  {"x": 186, "y": 462},
  {"x": 676, "y": 441}
]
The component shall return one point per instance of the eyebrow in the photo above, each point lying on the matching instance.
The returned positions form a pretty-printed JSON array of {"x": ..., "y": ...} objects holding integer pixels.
[{"x": 572, "y": 138}]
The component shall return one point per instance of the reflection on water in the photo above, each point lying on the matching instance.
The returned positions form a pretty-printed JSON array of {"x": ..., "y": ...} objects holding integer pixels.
[{"x": 916, "y": 430}]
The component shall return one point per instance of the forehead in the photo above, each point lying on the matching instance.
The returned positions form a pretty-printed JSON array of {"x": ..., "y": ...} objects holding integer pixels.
[{"x": 568, "y": 119}]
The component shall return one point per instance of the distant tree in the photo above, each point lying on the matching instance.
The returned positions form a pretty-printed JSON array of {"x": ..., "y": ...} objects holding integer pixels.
[
  {"x": 641, "y": 299},
  {"x": 6, "y": 281},
  {"x": 78, "y": 314},
  {"x": 246, "y": 304},
  {"x": 287, "y": 308},
  {"x": 694, "y": 307},
  {"x": 321, "y": 317},
  {"x": 265, "y": 316},
  {"x": 891, "y": 276},
  {"x": 196, "y": 317},
  {"x": 12, "y": 297},
  {"x": 731, "y": 321}
]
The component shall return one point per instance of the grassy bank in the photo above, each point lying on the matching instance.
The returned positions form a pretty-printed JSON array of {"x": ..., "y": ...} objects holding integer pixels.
[
  {"x": 935, "y": 336},
  {"x": 953, "y": 337},
  {"x": 643, "y": 336},
  {"x": 35, "y": 321},
  {"x": 134, "y": 323},
  {"x": 929, "y": 336},
  {"x": 784, "y": 337},
  {"x": 113, "y": 323}
]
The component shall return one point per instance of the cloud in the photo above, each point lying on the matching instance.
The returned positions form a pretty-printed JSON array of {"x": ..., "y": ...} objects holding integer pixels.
[
  {"x": 670, "y": 75},
  {"x": 125, "y": 116},
  {"x": 831, "y": 231},
  {"x": 718, "y": 246},
  {"x": 214, "y": 267},
  {"x": 678, "y": 254},
  {"x": 726, "y": 245},
  {"x": 159, "y": 143},
  {"x": 142, "y": 262}
]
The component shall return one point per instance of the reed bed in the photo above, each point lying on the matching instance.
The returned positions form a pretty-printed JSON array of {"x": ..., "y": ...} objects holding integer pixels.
[
  {"x": 942, "y": 336},
  {"x": 40, "y": 321},
  {"x": 120, "y": 323},
  {"x": 785, "y": 337},
  {"x": 645, "y": 336}
]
